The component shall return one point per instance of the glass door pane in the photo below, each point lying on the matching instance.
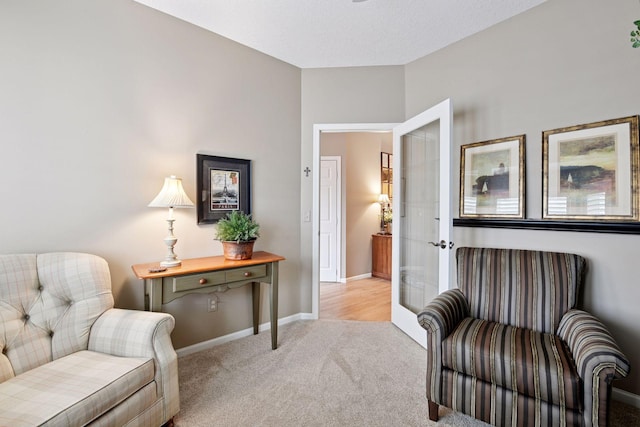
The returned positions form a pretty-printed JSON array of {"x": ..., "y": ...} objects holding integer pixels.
[{"x": 419, "y": 216}]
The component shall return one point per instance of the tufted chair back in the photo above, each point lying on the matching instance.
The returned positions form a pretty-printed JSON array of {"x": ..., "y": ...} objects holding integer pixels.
[
  {"x": 522, "y": 288},
  {"x": 48, "y": 303}
]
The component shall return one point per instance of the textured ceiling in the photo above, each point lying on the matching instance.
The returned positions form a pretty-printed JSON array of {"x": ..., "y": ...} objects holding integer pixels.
[{"x": 344, "y": 33}]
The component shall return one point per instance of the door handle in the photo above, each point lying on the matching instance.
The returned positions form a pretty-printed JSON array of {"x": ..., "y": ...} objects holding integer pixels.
[{"x": 442, "y": 244}]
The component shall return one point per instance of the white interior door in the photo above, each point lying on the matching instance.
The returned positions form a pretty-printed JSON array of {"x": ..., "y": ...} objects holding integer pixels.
[
  {"x": 329, "y": 215},
  {"x": 421, "y": 215}
]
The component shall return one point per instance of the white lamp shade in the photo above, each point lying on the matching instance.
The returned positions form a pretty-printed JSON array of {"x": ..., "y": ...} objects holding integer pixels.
[
  {"x": 171, "y": 195},
  {"x": 384, "y": 199}
]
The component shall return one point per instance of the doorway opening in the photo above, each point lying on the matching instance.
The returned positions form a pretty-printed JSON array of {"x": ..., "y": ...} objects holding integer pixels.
[{"x": 340, "y": 295}]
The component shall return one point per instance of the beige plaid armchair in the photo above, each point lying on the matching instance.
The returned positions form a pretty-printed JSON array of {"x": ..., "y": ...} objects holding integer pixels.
[
  {"x": 511, "y": 347},
  {"x": 69, "y": 358}
]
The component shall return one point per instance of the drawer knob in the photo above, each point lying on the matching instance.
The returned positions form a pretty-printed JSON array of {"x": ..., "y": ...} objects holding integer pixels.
[
  {"x": 203, "y": 281},
  {"x": 247, "y": 274}
]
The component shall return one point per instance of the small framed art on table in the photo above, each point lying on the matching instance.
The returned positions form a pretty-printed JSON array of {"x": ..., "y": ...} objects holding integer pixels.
[
  {"x": 492, "y": 178},
  {"x": 590, "y": 172},
  {"x": 224, "y": 185}
]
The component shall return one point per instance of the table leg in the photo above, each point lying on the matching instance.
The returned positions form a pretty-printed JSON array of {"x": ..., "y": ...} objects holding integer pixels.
[
  {"x": 154, "y": 288},
  {"x": 255, "y": 295},
  {"x": 273, "y": 299},
  {"x": 147, "y": 295}
]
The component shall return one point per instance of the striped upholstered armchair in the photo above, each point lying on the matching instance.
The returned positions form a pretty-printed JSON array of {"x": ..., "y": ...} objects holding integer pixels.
[{"x": 510, "y": 347}]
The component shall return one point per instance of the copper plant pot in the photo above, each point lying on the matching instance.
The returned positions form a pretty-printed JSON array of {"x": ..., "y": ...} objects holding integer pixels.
[{"x": 238, "y": 250}]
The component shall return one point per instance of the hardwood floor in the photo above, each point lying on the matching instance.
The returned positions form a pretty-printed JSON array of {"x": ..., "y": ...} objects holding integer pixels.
[{"x": 366, "y": 299}]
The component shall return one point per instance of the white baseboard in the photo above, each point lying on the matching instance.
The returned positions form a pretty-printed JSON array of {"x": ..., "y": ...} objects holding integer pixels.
[
  {"x": 205, "y": 345},
  {"x": 625, "y": 397},
  {"x": 350, "y": 279},
  {"x": 360, "y": 277}
]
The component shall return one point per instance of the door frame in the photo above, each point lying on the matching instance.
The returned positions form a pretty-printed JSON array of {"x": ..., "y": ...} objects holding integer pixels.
[
  {"x": 339, "y": 213},
  {"x": 315, "y": 251}
]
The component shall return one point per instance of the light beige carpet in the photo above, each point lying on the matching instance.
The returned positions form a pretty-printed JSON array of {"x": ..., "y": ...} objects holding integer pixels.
[{"x": 324, "y": 373}]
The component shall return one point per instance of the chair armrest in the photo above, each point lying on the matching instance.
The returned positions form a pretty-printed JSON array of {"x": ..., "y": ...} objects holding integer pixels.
[
  {"x": 598, "y": 360},
  {"x": 440, "y": 318},
  {"x": 444, "y": 312},
  {"x": 132, "y": 333},
  {"x": 592, "y": 346}
]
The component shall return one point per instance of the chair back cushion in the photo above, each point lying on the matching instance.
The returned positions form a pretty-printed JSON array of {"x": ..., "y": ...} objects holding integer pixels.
[
  {"x": 523, "y": 288},
  {"x": 48, "y": 303}
]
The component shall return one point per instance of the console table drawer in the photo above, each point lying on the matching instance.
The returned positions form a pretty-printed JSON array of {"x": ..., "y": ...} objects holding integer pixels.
[
  {"x": 203, "y": 280},
  {"x": 195, "y": 281},
  {"x": 247, "y": 273}
]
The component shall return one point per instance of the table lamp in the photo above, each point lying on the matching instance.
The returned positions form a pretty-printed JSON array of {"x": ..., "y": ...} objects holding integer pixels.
[{"x": 171, "y": 196}]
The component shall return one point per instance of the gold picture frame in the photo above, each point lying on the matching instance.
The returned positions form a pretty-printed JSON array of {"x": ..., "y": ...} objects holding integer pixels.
[
  {"x": 590, "y": 171},
  {"x": 492, "y": 179}
]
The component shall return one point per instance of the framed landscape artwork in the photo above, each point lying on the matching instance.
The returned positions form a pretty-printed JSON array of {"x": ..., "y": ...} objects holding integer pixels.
[
  {"x": 224, "y": 185},
  {"x": 492, "y": 178},
  {"x": 590, "y": 172}
]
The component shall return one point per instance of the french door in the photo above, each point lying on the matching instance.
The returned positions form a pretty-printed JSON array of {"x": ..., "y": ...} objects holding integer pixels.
[{"x": 421, "y": 215}]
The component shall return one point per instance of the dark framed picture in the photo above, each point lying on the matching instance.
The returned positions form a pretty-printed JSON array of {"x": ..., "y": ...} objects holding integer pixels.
[
  {"x": 224, "y": 185},
  {"x": 492, "y": 178},
  {"x": 590, "y": 171}
]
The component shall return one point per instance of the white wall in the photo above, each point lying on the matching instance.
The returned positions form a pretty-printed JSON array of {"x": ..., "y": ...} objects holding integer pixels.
[
  {"x": 99, "y": 102},
  {"x": 562, "y": 63}
]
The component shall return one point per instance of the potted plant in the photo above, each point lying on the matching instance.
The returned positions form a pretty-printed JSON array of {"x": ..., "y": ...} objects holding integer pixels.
[
  {"x": 237, "y": 232},
  {"x": 635, "y": 34},
  {"x": 387, "y": 218}
]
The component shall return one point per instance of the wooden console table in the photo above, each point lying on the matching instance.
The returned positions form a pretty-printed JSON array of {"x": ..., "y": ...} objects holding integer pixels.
[
  {"x": 214, "y": 274},
  {"x": 381, "y": 256}
]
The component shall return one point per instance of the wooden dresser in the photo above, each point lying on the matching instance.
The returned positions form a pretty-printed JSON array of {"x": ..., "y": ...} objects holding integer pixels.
[{"x": 381, "y": 256}]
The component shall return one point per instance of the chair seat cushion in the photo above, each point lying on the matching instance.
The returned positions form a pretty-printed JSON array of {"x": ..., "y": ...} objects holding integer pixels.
[
  {"x": 72, "y": 390},
  {"x": 534, "y": 364}
]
